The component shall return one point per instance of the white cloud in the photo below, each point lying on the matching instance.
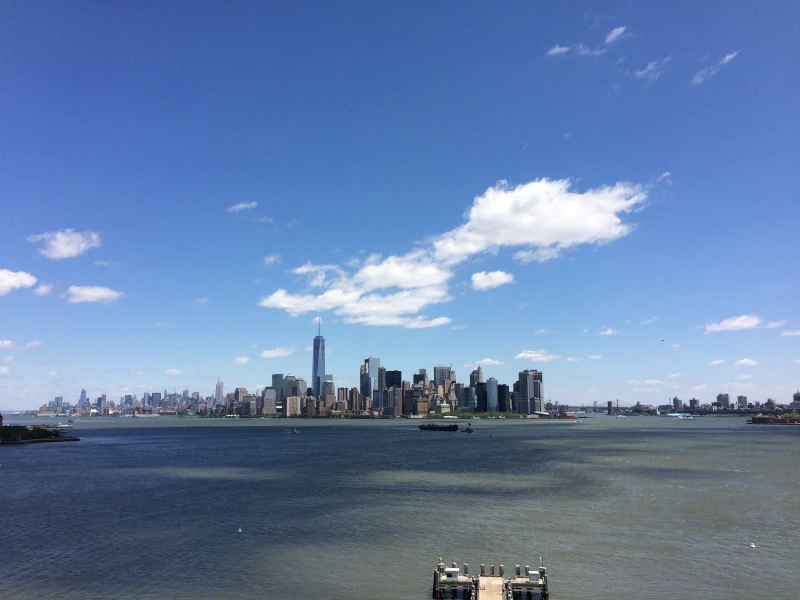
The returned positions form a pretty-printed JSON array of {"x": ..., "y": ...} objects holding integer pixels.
[
  {"x": 596, "y": 357},
  {"x": 644, "y": 390},
  {"x": 44, "y": 289},
  {"x": 646, "y": 382},
  {"x": 674, "y": 375},
  {"x": 649, "y": 321},
  {"x": 796, "y": 361},
  {"x": 484, "y": 362},
  {"x": 202, "y": 301},
  {"x": 173, "y": 372},
  {"x": 6, "y": 359},
  {"x": 557, "y": 50},
  {"x": 241, "y": 206},
  {"x": 614, "y": 35},
  {"x": 540, "y": 331},
  {"x": 746, "y": 362},
  {"x": 4, "y": 370},
  {"x": 790, "y": 333},
  {"x": 665, "y": 176},
  {"x": 271, "y": 259},
  {"x": 743, "y": 377},
  {"x": 483, "y": 281},
  {"x": 573, "y": 359},
  {"x": 537, "y": 356},
  {"x": 77, "y": 294},
  {"x": 674, "y": 345},
  {"x": 277, "y": 353},
  {"x": 317, "y": 321},
  {"x": 775, "y": 324},
  {"x": 706, "y": 73},
  {"x": 582, "y": 50},
  {"x": 29, "y": 346},
  {"x": 241, "y": 360},
  {"x": 544, "y": 217},
  {"x": 719, "y": 361},
  {"x": 106, "y": 263},
  {"x": 735, "y": 324},
  {"x": 66, "y": 243},
  {"x": 136, "y": 372},
  {"x": 7, "y": 344},
  {"x": 697, "y": 388},
  {"x": 729, "y": 57},
  {"x": 608, "y": 331},
  {"x": 459, "y": 327},
  {"x": 653, "y": 70},
  {"x": 15, "y": 280},
  {"x": 53, "y": 373},
  {"x": 162, "y": 324}
]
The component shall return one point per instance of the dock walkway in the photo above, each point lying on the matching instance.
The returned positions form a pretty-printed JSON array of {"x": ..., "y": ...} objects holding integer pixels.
[{"x": 490, "y": 588}]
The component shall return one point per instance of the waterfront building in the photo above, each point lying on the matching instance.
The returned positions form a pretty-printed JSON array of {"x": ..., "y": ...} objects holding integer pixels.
[
  {"x": 292, "y": 406},
  {"x": 468, "y": 400},
  {"x": 481, "y": 396},
  {"x": 724, "y": 400},
  {"x": 155, "y": 399},
  {"x": 741, "y": 401},
  {"x": 694, "y": 404},
  {"x": 677, "y": 405},
  {"x": 491, "y": 395},
  {"x": 354, "y": 401},
  {"x": 280, "y": 386},
  {"x": 341, "y": 395},
  {"x": 318, "y": 363},
  {"x": 530, "y": 391},
  {"x": 503, "y": 399},
  {"x": 795, "y": 404}
]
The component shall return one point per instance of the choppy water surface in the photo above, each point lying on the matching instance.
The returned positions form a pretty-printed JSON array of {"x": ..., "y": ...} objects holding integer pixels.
[{"x": 619, "y": 508}]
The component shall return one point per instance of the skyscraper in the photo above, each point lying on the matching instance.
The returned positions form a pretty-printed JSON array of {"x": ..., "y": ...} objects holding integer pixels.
[
  {"x": 531, "y": 392},
  {"x": 318, "y": 366},
  {"x": 393, "y": 379},
  {"x": 476, "y": 376},
  {"x": 440, "y": 375},
  {"x": 491, "y": 395},
  {"x": 278, "y": 383},
  {"x": 82, "y": 399},
  {"x": 370, "y": 370},
  {"x": 218, "y": 392}
]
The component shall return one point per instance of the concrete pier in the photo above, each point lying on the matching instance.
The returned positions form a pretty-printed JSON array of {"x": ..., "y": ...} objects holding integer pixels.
[{"x": 491, "y": 584}]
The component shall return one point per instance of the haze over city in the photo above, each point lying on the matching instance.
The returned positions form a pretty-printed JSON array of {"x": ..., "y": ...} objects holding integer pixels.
[{"x": 588, "y": 193}]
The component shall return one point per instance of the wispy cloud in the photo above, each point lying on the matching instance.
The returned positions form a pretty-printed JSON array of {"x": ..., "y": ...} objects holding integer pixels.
[
  {"x": 649, "y": 321},
  {"x": 271, "y": 259},
  {"x": 77, "y": 294},
  {"x": 706, "y": 73},
  {"x": 459, "y": 327},
  {"x": 775, "y": 324},
  {"x": 573, "y": 359},
  {"x": 719, "y": 361},
  {"x": 540, "y": 331},
  {"x": 743, "y": 377},
  {"x": 43, "y": 290},
  {"x": 202, "y": 301},
  {"x": 136, "y": 372},
  {"x": 665, "y": 176},
  {"x": 653, "y": 71},
  {"x": 241, "y": 360},
  {"x": 241, "y": 206},
  {"x": 277, "y": 353},
  {"x": 106, "y": 263},
  {"x": 6, "y": 359},
  {"x": 483, "y": 281},
  {"x": 614, "y": 35},
  {"x": 735, "y": 324},
  {"x": 557, "y": 50},
  {"x": 29, "y": 346},
  {"x": 66, "y": 243},
  {"x": 790, "y": 333},
  {"x": 608, "y": 331},
  {"x": 484, "y": 362},
  {"x": 674, "y": 375},
  {"x": 537, "y": 356},
  {"x": 646, "y": 382},
  {"x": 163, "y": 324},
  {"x": 596, "y": 357},
  {"x": 746, "y": 362},
  {"x": 173, "y": 372},
  {"x": 15, "y": 280}
]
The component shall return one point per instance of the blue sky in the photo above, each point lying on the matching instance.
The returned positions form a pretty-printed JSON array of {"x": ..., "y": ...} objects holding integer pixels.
[{"x": 604, "y": 191}]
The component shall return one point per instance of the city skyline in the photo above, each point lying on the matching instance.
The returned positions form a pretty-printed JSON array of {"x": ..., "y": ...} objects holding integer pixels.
[{"x": 609, "y": 195}]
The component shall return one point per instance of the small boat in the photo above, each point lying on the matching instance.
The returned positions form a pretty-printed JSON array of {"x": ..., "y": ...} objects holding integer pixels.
[
  {"x": 686, "y": 418},
  {"x": 469, "y": 428},
  {"x": 294, "y": 429},
  {"x": 438, "y": 427}
]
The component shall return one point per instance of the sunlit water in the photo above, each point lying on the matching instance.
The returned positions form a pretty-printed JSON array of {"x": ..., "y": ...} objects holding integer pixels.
[{"x": 618, "y": 508}]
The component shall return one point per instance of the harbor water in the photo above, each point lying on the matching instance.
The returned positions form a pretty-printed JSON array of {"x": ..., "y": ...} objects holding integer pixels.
[{"x": 188, "y": 508}]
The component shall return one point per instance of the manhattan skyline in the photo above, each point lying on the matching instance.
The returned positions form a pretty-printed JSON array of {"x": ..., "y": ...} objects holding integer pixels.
[{"x": 605, "y": 195}]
